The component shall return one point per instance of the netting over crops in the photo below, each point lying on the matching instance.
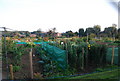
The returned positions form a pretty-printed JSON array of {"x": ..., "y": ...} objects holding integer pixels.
[
  {"x": 109, "y": 55},
  {"x": 55, "y": 54}
]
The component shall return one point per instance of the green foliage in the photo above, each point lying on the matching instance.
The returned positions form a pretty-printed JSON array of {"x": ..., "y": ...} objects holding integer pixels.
[
  {"x": 113, "y": 44},
  {"x": 116, "y": 41},
  {"x": 50, "y": 67},
  {"x": 30, "y": 44},
  {"x": 38, "y": 76},
  {"x": 97, "y": 54},
  {"x": 17, "y": 52},
  {"x": 78, "y": 40},
  {"x": 69, "y": 34},
  {"x": 14, "y": 51},
  {"x": 110, "y": 66},
  {"x": 112, "y": 75},
  {"x": 85, "y": 39},
  {"x": 16, "y": 68},
  {"x": 81, "y": 32},
  {"x": 93, "y": 53},
  {"x": 107, "y": 67},
  {"x": 107, "y": 39},
  {"x": 111, "y": 31},
  {"x": 39, "y": 39},
  {"x": 99, "y": 69}
]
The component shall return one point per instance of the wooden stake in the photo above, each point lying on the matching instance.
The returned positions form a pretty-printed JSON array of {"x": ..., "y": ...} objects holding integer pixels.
[
  {"x": 82, "y": 58},
  {"x": 112, "y": 61},
  {"x": 11, "y": 72},
  {"x": 31, "y": 64},
  {"x": 86, "y": 57},
  {"x": 66, "y": 53}
]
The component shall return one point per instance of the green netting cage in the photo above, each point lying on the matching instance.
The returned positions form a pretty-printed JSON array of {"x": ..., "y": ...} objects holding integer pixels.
[{"x": 109, "y": 55}]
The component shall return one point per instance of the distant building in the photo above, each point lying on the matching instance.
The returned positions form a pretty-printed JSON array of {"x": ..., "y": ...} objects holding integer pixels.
[
  {"x": 32, "y": 35},
  {"x": 21, "y": 35},
  {"x": 58, "y": 34},
  {"x": 43, "y": 34}
]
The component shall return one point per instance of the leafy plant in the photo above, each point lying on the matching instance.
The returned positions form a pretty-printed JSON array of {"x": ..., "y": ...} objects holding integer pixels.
[{"x": 16, "y": 68}]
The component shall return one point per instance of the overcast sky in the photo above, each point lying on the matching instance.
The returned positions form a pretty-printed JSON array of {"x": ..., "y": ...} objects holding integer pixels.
[{"x": 65, "y": 15}]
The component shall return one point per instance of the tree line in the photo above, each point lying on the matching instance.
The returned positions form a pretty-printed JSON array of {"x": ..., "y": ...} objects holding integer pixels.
[{"x": 95, "y": 31}]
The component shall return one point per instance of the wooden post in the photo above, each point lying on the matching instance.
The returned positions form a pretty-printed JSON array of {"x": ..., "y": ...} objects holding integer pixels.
[
  {"x": 86, "y": 57},
  {"x": 66, "y": 53},
  {"x": 31, "y": 64},
  {"x": 112, "y": 61},
  {"x": 82, "y": 58},
  {"x": 52, "y": 66},
  {"x": 11, "y": 72},
  {"x": 87, "y": 37}
]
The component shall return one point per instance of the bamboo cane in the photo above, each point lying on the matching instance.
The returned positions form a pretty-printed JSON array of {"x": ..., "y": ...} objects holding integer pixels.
[
  {"x": 31, "y": 67},
  {"x": 11, "y": 72},
  {"x": 86, "y": 57},
  {"x": 82, "y": 58}
]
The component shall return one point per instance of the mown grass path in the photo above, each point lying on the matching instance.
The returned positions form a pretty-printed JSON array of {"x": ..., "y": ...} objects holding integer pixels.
[{"x": 113, "y": 74}]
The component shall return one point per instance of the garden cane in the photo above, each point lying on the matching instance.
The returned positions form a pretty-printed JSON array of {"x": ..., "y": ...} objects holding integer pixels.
[{"x": 31, "y": 67}]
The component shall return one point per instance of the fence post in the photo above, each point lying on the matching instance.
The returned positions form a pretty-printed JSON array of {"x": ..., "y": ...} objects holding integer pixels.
[
  {"x": 112, "y": 61},
  {"x": 86, "y": 57},
  {"x": 31, "y": 64},
  {"x": 118, "y": 56},
  {"x": 11, "y": 72},
  {"x": 82, "y": 58},
  {"x": 66, "y": 53}
]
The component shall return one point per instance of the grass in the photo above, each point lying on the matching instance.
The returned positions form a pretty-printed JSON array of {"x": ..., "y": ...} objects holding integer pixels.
[{"x": 113, "y": 74}]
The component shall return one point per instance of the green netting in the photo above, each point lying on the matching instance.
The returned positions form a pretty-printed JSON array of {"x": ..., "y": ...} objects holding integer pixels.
[
  {"x": 109, "y": 55},
  {"x": 56, "y": 54},
  {"x": 53, "y": 52}
]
